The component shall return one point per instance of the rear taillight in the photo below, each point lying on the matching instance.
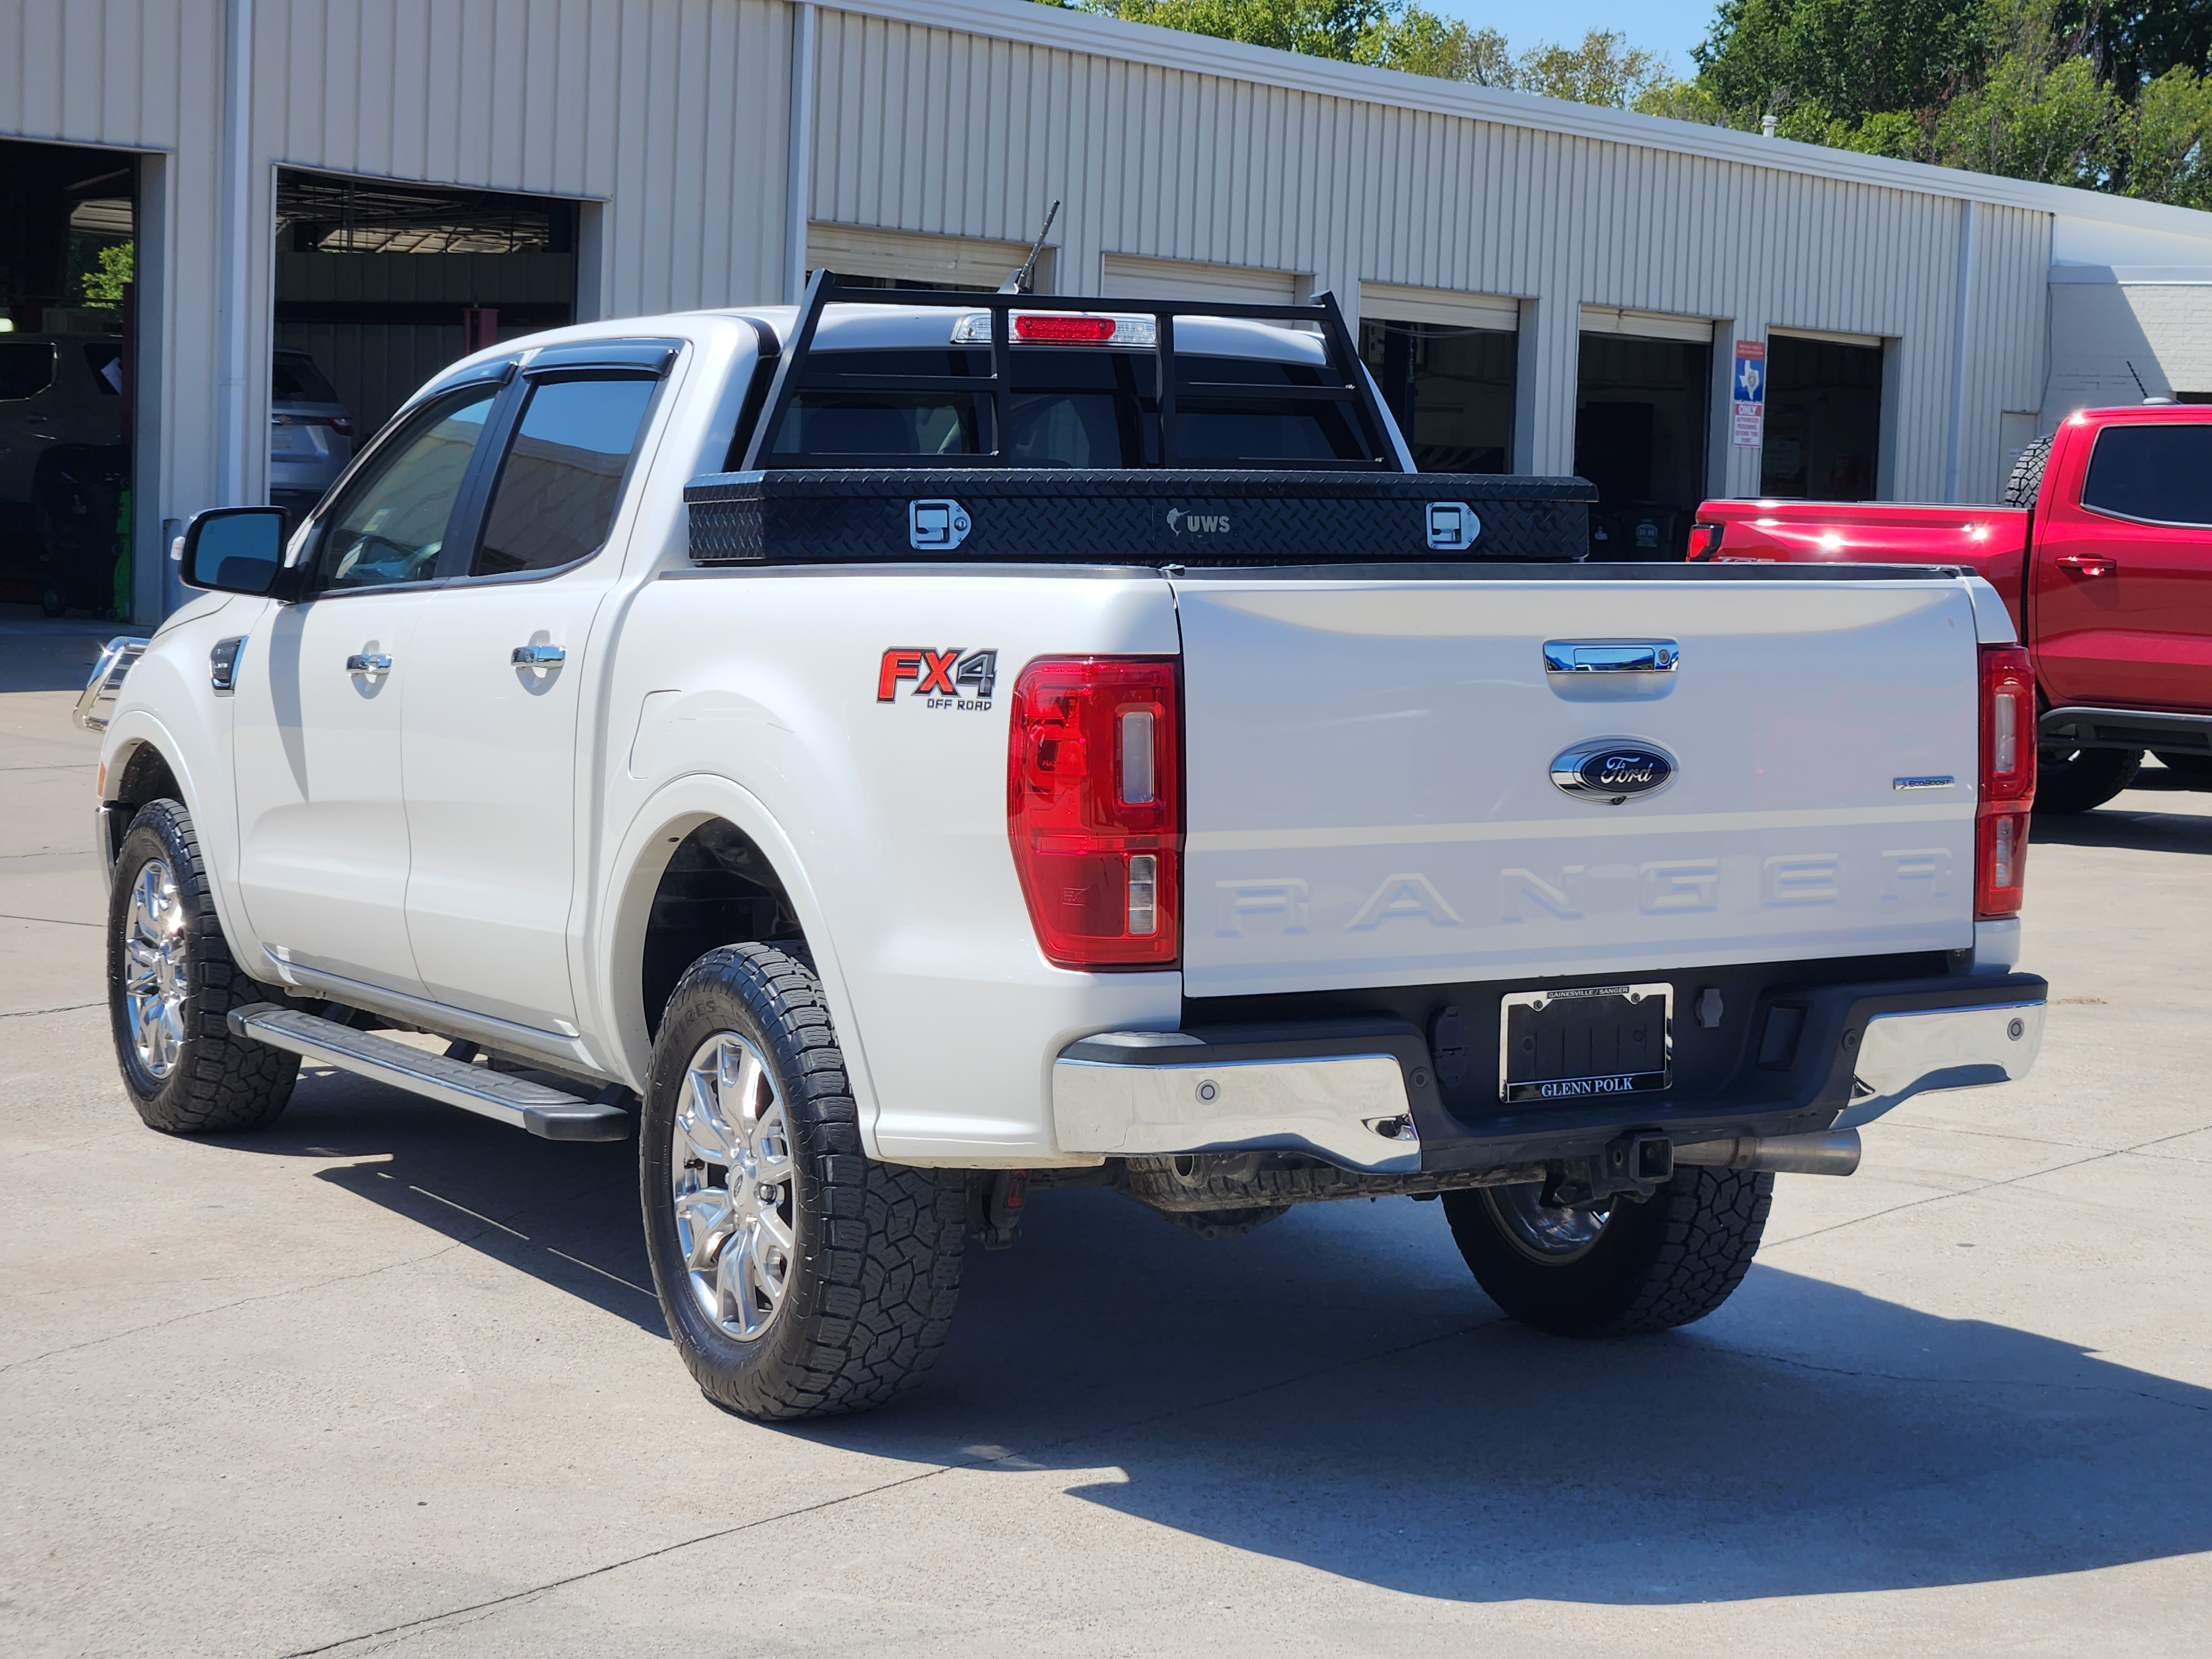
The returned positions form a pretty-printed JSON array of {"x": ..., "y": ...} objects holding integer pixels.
[
  {"x": 1094, "y": 807},
  {"x": 1705, "y": 540},
  {"x": 2008, "y": 780},
  {"x": 341, "y": 425}
]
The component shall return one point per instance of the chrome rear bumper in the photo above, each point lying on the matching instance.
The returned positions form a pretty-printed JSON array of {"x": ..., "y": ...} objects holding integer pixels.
[
  {"x": 1904, "y": 1055},
  {"x": 1134, "y": 1094},
  {"x": 1812, "y": 1063}
]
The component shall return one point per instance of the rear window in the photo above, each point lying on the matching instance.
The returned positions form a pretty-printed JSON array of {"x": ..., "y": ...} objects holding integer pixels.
[
  {"x": 1094, "y": 408},
  {"x": 2161, "y": 473},
  {"x": 293, "y": 378}
]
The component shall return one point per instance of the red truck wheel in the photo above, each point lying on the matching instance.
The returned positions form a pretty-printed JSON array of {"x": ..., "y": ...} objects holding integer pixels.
[{"x": 2068, "y": 780}]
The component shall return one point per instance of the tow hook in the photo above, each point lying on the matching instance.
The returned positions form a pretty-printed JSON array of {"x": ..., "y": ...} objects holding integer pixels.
[{"x": 1638, "y": 1163}]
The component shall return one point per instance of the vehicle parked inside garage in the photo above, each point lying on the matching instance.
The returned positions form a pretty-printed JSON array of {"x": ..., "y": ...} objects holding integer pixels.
[
  {"x": 310, "y": 431},
  {"x": 2103, "y": 554},
  {"x": 899, "y": 754},
  {"x": 64, "y": 468}
]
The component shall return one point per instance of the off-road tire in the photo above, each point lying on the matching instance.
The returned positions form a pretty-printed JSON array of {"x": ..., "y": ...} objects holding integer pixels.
[
  {"x": 220, "y": 1083},
  {"x": 2081, "y": 780},
  {"x": 2026, "y": 480},
  {"x": 1667, "y": 1262},
  {"x": 876, "y": 1246}
]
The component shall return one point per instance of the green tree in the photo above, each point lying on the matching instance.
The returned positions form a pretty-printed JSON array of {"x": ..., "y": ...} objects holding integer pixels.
[
  {"x": 2105, "y": 95},
  {"x": 1605, "y": 69},
  {"x": 2169, "y": 140},
  {"x": 111, "y": 267}
]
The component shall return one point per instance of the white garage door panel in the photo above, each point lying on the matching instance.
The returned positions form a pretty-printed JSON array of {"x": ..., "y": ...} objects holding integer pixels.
[
  {"x": 1644, "y": 325},
  {"x": 1446, "y": 307},
  {"x": 969, "y": 262},
  {"x": 1127, "y": 277}
]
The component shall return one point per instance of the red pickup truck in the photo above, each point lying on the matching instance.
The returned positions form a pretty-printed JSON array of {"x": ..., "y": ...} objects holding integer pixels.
[{"x": 2103, "y": 552}]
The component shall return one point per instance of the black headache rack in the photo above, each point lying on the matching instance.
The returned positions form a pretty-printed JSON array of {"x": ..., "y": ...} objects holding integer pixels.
[{"x": 983, "y": 507}]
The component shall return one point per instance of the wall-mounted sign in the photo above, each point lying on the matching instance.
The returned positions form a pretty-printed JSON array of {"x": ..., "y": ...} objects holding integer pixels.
[{"x": 1748, "y": 392}]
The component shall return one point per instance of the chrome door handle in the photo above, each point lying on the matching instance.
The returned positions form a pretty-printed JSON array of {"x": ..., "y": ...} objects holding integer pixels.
[
  {"x": 1611, "y": 656},
  {"x": 370, "y": 663},
  {"x": 537, "y": 656}
]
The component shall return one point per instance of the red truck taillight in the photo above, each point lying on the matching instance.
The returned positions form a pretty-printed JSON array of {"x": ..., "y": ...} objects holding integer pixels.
[
  {"x": 2008, "y": 781},
  {"x": 1094, "y": 807}
]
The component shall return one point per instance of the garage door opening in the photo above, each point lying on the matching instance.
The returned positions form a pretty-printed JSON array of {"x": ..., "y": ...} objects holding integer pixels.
[
  {"x": 68, "y": 331},
  {"x": 1449, "y": 389},
  {"x": 380, "y": 285},
  {"x": 1823, "y": 419},
  {"x": 1641, "y": 411}
]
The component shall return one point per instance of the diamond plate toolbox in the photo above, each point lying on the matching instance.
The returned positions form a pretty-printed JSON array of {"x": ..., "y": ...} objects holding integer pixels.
[{"x": 1156, "y": 517}]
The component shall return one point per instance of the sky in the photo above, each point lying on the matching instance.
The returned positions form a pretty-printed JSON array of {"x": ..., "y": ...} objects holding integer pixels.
[{"x": 1668, "y": 26}]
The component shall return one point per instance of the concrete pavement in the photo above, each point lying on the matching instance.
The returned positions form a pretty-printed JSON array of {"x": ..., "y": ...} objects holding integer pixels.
[{"x": 388, "y": 1377}]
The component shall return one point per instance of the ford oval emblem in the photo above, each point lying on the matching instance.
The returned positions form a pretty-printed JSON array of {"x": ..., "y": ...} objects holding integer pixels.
[{"x": 1612, "y": 770}]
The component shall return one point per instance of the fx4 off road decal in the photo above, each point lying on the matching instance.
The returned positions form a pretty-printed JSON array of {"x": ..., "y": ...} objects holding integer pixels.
[{"x": 958, "y": 678}]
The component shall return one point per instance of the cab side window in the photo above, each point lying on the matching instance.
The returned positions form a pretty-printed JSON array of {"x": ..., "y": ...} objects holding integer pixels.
[
  {"x": 391, "y": 526},
  {"x": 2159, "y": 473},
  {"x": 562, "y": 477}
]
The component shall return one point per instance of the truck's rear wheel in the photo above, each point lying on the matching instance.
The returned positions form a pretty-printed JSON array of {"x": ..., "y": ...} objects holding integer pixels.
[
  {"x": 171, "y": 982},
  {"x": 799, "y": 1277},
  {"x": 2079, "y": 780},
  {"x": 1621, "y": 1270}
]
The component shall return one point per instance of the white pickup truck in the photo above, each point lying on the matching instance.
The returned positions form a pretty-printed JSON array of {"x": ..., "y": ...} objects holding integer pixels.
[{"x": 900, "y": 753}]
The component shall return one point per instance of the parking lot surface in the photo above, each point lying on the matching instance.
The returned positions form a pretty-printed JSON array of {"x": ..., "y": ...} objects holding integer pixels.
[{"x": 390, "y": 1379}]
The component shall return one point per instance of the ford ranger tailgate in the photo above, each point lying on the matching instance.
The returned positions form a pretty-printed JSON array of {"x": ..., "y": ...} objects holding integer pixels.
[{"x": 1749, "y": 769}]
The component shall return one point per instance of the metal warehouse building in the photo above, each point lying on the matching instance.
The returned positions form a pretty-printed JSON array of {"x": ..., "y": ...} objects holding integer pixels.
[{"x": 234, "y": 233}]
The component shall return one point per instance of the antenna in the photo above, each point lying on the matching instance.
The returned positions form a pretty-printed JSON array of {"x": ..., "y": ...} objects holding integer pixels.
[
  {"x": 1021, "y": 281},
  {"x": 2137, "y": 379}
]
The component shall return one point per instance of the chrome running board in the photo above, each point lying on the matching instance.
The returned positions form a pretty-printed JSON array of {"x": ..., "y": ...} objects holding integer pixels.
[{"x": 544, "y": 1112}]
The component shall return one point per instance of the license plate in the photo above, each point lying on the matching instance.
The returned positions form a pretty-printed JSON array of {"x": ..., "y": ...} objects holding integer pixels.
[{"x": 1584, "y": 1042}]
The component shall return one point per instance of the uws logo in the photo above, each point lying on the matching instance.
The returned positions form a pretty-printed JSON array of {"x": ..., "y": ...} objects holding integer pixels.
[{"x": 1198, "y": 524}]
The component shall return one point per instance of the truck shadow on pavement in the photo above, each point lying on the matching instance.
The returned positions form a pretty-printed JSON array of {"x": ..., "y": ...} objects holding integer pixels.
[
  {"x": 2122, "y": 827},
  {"x": 1334, "y": 1391}
]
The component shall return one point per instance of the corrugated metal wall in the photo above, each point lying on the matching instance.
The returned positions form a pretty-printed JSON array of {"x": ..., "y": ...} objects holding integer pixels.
[
  {"x": 670, "y": 117},
  {"x": 926, "y": 130}
]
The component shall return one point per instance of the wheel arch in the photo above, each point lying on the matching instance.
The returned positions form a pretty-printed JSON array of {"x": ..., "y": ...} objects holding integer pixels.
[
  {"x": 143, "y": 760},
  {"x": 695, "y": 820}
]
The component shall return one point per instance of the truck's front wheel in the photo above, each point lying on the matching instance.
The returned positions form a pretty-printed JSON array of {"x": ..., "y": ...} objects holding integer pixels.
[
  {"x": 800, "y": 1278},
  {"x": 1622, "y": 1270},
  {"x": 170, "y": 984}
]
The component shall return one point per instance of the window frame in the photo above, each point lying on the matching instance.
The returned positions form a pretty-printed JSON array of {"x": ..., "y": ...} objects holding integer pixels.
[
  {"x": 396, "y": 432},
  {"x": 596, "y": 360},
  {"x": 2089, "y": 472}
]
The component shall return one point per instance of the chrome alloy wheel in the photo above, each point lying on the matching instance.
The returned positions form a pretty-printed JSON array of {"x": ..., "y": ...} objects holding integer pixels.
[
  {"x": 736, "y": 1198},
  {"x": 1550, "y": 1233},
  {"x": 154, "y": 973}
]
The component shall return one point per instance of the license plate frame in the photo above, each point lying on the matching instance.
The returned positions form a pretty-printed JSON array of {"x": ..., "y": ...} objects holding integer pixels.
[{"x": 1585, "y": 1043}]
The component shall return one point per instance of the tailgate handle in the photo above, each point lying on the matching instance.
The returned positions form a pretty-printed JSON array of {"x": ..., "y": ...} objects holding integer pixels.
[{"x": 1611, "y": 656}]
